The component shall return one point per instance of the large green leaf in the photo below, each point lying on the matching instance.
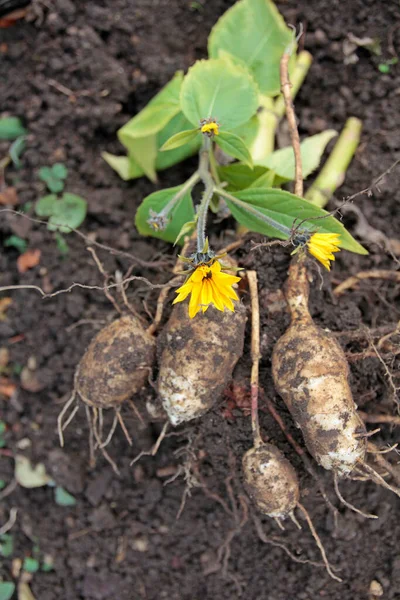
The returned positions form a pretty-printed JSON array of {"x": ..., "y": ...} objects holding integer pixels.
[
  {"x": 126, "y": 167},
  {"x": 312, "y": 149},
  {"x": 182, "y": 213},
  {"x": 234, "y": 146},
  {"x": 286, "y": 209},
  {"x": 144, "y": 153},
  {"x": 7, "y": 589},
  {"x": 158, "y": 112},
  {"x": 255, "y": 32},
  {"x": 221, "y": 90},
  {"x": 238, "y": 176}
]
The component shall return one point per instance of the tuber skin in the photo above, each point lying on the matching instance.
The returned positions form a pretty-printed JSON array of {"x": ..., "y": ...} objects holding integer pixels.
[
  {"x": 270, "y": 481},
  {"x": 310, "y": 372},
  {"x": 116, "y": 364},
  {"x": 196, "y": 359}
]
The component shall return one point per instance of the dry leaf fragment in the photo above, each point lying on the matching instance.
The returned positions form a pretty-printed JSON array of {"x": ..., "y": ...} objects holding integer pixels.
[
  {"x": 7, "y": 387},
  {"x": 9, "y": 197},
  {"x": 28, "y": 259},
  {"x": 5, "y": 303}
]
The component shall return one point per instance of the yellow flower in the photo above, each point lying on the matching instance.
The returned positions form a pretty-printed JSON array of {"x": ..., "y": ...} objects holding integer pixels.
[
  {"x": 322, "y": 246},
  {"x": 210, "y": 128},
  {"x": 208, "y": 285}
]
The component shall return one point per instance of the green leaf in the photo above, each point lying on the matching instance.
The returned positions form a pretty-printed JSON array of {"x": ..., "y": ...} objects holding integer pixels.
[
  {"x": 31, "y": 565},
  {"x": 168, "y": 158},
  {"x": 266, "y": 180},
  {"x": 69, "y": 213},
  {"x": 59, "y": 170},
  {"x": 16, "y": 150},
  {"x": 218, "y": 89},
  {"x": 181, "y": 214},
  {"x": 29, "y": 476},
  {"x": 180, "y": 139},
  {"x": 312, "y": 149},
  {"x": 14, "y": 241},
  {"x": 234, "y": 146},
  {"x": 6, "y": 545},
  {"x": 45, "y": 173},
  {"x": 64, "y": 498},
  {"x": 286, "y": 209},
  {"x": 254, "y": 32},
  {"x": 7, "y": 588},
  {"x": 144, "y": 152},
  {"x": 240, "y": 176},
  {"x": 47, "y": 564},
  {"x": 45, "y": 206},
  {"x": 11, "y": 128},
  {"x": 158, "y": 112},
  {"x": 125, "y": 166}
]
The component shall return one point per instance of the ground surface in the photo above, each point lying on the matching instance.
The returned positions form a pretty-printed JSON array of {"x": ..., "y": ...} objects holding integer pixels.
[{"x": 122, "y": 539}]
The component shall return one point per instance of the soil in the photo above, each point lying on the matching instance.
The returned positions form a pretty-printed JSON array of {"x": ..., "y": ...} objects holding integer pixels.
[{"x": 122, "y": 539}]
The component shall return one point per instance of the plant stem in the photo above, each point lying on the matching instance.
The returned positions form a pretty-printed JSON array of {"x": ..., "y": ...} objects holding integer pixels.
[
  {"x": 256, "y": 213},
  {"x": 255, "y": 355},
  {"x": 333, "y": 172},
  {"x": 302, "y": 66},
  {"x": 291, "y": 117},
  {"x": 175, "y": 199},
  {"x": 208, "y": 182}
]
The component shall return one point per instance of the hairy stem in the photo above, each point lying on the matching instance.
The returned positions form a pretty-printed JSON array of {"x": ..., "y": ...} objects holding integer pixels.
[
  {"x": 175, "y": 199},
  {"x": 333, "y": 172},
  {"x": 208, "y": 182}
]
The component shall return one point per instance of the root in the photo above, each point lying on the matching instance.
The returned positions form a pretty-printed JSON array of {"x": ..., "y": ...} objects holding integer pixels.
[
  {"x": 60, "y": 425},
  {"x": 99, "y": 444},
  {"x": 377, "y": 454},
  {"x": 136, "y": 412},
  {"x": 92, "y": 456},
  {"x": 10, "y": 523},
  {"x": 255, "y": 356},
  {"x": 350, "y": 506},
  {"x": 318, "y": 542},
  {"x": 279, "y": 544},
  {"x": 111, "y": 432},
  {"x": 379, "y": 480},
  {"x": 390, "y": 419},
  {"x": 375, "y": 274},
  {"x": 123, "y": 426},
  {"x": 153, "y": 451},
  {"x": 106, "y": 276}
]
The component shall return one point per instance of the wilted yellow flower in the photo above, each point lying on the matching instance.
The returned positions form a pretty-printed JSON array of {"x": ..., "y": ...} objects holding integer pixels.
[
  {"x": 210, "y": 128},
  {"x": 322, "y": 246},
  {"x": 208, "y": 285}
]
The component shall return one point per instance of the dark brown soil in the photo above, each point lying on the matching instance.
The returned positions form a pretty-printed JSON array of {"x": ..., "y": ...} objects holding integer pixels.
[{"x": 122, "y": 539}]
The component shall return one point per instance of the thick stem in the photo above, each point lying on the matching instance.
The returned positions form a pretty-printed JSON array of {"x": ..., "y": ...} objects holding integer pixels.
[
  {"x": 255, "y": 355},
  {"x": 291, "y": 117},
  {"x": 302, "y": 66},
  {"x": 208, "y": 182},
  {"x": 333, "y": 172},
  {"x": 285, "y": 231}
]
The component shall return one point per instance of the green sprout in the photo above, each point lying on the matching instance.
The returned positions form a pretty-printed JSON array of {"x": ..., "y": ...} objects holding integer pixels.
[{"x": 64, "y": 211}]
